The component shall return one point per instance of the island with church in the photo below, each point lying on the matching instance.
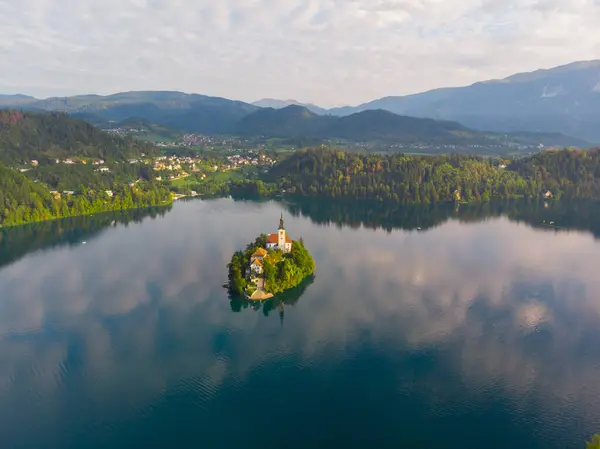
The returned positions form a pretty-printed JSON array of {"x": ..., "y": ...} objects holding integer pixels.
[{"x": 270, "y": 265}]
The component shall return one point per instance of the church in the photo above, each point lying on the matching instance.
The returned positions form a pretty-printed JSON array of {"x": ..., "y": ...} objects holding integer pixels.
[{"x": 280, "y": 240}]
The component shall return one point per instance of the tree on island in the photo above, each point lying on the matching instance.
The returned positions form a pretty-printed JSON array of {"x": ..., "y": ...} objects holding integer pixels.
[{"x": 290, "y": 271}]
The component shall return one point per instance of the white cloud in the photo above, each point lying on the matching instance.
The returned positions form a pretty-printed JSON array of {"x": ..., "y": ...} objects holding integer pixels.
[{"x": 325, "y": 51}]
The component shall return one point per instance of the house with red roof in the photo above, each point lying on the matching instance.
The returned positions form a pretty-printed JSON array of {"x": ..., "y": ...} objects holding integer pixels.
[{"x": 257, "y": 266}]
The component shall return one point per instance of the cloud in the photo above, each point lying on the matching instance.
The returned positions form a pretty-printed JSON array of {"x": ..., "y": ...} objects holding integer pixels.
[{"x": 324, "y": 51}]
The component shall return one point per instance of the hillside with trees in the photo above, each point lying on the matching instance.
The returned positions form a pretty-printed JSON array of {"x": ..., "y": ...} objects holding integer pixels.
[
  {"x": 409, "y": 179},
  {"x": 24, "y": 201},
  {"x": 48, "y": 136},
  {"x": 567, "y": 173}
]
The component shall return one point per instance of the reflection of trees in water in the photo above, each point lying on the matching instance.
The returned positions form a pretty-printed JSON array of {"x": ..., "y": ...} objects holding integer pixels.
[
  {"x": 579, "y": 215},
  {"x": 18, "y": 241},
  {"x": 277, "y": 303}
]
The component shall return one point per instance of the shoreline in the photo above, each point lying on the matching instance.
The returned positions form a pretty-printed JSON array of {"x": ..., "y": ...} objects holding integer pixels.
[{"x": 169, "y": 203}]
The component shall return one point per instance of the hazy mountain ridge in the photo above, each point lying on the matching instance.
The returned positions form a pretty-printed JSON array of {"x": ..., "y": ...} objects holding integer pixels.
[
  {"x": 564, "y": 99},
  {"x": 186, "y": 112},
  {"x": 381, "y": 126},
  {"x": 280, "y": 104}
]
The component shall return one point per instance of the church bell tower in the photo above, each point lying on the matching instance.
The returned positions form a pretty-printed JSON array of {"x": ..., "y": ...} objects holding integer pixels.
[{"x": 281, "y": 235}]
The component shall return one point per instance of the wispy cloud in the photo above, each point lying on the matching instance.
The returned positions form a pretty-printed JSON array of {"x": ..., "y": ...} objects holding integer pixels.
[{"x": 326, "y": 51}]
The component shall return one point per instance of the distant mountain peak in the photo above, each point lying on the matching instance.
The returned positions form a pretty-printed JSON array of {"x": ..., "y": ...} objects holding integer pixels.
[
  {"x": 19, "y": 96},
  {"x": 280, "y": 104}
]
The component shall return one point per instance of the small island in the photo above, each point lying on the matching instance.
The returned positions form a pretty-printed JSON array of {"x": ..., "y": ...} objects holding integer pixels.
[{"x": 270, "y": 265}]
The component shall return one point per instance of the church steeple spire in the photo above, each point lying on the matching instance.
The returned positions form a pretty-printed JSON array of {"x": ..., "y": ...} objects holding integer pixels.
[{"x": 281, "y": 227}]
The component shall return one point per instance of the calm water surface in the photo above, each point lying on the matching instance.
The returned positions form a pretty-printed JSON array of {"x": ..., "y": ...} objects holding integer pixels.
[{"x": 481, "y": 329}]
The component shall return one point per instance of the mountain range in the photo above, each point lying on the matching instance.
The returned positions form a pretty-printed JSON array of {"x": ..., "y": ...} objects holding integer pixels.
[
  {"x": 384, "y": 127},
  {"x": 185, "y": 112},
  {"x": 564, "y": 100}
]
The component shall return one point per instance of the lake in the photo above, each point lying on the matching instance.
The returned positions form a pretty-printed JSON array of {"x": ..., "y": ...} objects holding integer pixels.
[{"x": 447, "y": 326}]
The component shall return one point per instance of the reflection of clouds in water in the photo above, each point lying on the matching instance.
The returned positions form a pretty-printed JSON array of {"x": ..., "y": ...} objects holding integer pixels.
[
  {"x": 530, "y": 316},
  {"x": 452, "y": 277},
  {"x": 149, "y": 300}
]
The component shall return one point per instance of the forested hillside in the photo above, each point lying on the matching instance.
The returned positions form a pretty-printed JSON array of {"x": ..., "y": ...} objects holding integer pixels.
[
  {"x": 570, "y": 173},
  {"x": 24, "y": 201},
  {"x": 429, "y": 179},
  {"x": 42, "y": 136}
]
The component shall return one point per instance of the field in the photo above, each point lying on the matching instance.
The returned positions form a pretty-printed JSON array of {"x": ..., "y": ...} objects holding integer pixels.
[{"x": 215, "y": 177}]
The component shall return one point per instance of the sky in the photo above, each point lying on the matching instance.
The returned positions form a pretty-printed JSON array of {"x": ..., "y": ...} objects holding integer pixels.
[{"x": 329, "y": 52}]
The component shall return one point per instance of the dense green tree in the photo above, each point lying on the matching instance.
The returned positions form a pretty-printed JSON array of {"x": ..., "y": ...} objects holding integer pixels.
[{"x": 237, "y": 273}]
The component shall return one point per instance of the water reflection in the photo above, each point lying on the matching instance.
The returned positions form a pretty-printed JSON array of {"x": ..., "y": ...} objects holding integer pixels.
[
  {"x": 485, "y": 331},
  {"x": 550, "y": 215},
  {"x": 18, "y": 241},
  {"x": 288, "y": 298}
]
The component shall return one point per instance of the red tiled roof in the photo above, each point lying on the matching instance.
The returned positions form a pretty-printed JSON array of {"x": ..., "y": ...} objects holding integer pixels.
[
  {"x": 258, "y": 262},
  {"x": 260, "y": 252},
  {"x": 274, "y": 238}
]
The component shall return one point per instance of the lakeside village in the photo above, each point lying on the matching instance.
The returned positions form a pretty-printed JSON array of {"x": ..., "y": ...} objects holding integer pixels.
[
  {"x": 179, "y": 165},
  {"x": 170, "y": 168},
  {"x": 210, "y": 143}
]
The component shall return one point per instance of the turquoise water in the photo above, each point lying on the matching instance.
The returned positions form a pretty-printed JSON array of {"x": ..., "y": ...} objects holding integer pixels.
[{"x": 423, "y": 327}]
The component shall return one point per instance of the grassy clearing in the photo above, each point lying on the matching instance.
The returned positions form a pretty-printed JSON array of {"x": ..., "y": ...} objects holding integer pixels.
[{"x": 218, "y": 177}]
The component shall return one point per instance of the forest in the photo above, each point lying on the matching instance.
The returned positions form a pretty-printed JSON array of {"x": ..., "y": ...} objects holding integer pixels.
[
  {"x": 48, "y": 189},
  {"x": 411, "y": 179},
  {"x": 47, "y": 136},
  {"x": 24, "y": 201}
]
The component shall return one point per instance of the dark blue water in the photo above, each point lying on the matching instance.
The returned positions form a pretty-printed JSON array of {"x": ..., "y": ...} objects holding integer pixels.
[{"x": 481, "y": 329}]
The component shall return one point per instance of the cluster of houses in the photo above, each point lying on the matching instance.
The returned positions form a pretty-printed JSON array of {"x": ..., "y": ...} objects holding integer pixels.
[
  {"x": 175, "y": 163},
  {"x": 123, "y": 131},
  {"x": 200, "y": 140},
  {"x": 250, "y": 158},
  {"x": 182, "y": 166},
  {"x": 70, "y": 161}
]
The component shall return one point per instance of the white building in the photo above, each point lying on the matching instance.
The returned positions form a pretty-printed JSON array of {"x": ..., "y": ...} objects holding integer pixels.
[{"x": 280, "y": 240}]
